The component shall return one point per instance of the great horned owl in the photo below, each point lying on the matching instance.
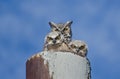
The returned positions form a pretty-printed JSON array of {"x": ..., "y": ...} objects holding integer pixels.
[
  {"x": 54, "y": 42},
  {"x": 78, "y": 47},
  {"x": 64, "y": 29}
]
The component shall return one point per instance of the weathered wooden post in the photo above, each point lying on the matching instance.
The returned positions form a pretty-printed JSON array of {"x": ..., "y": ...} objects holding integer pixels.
[
  {"x": 50, "y": 64},
  {"x": 36, "y": 69},
  {"x": 57, "y": 65}
]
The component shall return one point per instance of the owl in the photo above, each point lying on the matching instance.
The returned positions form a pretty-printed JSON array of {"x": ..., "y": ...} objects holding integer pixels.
[
  {"x": 78, "y": 47},
  {"x": 54, "y": 42},
  {"x": 63, "y": 28}
]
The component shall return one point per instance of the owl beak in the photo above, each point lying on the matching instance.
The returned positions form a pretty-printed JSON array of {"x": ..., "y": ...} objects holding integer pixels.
[
  {"x": 62, "y": 32},
  {"x": 54, "y": 41},
  {"x": 77, "y": 49}
]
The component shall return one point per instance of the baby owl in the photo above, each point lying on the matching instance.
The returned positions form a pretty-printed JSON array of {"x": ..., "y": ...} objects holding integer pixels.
[
  {"x": 54, "y": 42},
  {"x": 64, "y": 29},
  {"x": 78, "y": 47}
]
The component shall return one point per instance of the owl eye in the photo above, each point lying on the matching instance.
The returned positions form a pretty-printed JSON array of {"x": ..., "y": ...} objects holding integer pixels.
[
  {"x": 73, "y": 46},
  {"x": 55, "y": 30},
  {"x": 82, "y": 47},
  {"x": 49, "y": 39},
  {"x": 58, "y": 38},
  {"x": 66, "y": 29}
]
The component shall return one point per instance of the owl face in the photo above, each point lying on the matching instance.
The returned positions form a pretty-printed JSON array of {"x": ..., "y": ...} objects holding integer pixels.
[
  {"x": 54, "y": 38},
  {"x": 78, "y": 47},
  {"x": 64, "y": 29}
]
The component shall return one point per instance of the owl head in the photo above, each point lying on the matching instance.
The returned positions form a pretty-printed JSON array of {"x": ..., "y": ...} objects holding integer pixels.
[
  {"x": 54, "y": 38},
  {"x": 78, "y": 47},
  {"x": 63, "y": 28}
]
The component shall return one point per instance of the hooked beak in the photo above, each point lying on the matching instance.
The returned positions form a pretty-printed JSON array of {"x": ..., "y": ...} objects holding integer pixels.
[
  {"x": 77, "y": 49},
  {"x": 54, "y": 41}
]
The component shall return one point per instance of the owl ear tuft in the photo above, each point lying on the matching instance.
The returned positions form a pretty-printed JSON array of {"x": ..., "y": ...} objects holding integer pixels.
[
  {"x": 68, "y": 23},
  {"x": 52, "y": 24}
]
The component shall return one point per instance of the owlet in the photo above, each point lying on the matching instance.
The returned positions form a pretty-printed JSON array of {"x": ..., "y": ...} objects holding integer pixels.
[
  {"x": 54, "y": 42},
  {"x": 78, "y": 47}
]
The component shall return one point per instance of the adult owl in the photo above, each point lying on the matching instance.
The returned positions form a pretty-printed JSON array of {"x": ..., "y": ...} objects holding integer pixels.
[
  {"x": 78, "y": 47},
  {"x": 54, "y": 41},
  {"x": 64, "y": 29}
]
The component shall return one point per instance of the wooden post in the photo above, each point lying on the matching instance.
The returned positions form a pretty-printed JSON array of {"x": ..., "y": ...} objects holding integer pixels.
[
  {"x": 57, "y": 65},
  {"x": 35, "y": 68}
]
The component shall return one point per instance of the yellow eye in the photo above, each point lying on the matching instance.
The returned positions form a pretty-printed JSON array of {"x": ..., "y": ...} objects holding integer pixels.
[
  {"x": 65, "y": 29},
  {"x": 55, "y": 29},
  {"x": 58, "y": 38},
  {"x": 82, "y": 47},
  {"x": 49, "y": 39},
  {"x": 73, "y": 46}
]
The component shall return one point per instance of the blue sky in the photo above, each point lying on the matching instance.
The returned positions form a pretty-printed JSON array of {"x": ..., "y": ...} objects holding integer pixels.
[{"x": 24, "y": 24}]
